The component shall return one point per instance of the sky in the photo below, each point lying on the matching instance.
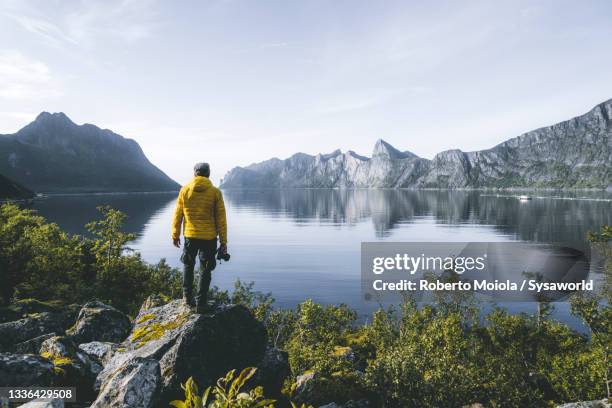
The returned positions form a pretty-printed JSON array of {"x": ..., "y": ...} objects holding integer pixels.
[{"x": 234, "y": 82}]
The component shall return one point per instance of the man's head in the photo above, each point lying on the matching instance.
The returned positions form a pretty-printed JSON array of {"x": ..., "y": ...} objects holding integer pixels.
[{"x": 201, "y": 169}]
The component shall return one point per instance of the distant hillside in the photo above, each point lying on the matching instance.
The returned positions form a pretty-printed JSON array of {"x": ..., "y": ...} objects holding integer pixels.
[
  {"x": 12, "y": 190},
  {"x": 53, "y": 154},
  {"x": 573, "y": 154}
]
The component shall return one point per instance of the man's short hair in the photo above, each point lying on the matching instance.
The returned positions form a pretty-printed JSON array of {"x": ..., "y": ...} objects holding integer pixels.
[{"x": 202, "y": 169}]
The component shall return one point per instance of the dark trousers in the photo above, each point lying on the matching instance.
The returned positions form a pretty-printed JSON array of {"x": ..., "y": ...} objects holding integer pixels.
[{"x": 205, "y": 250}]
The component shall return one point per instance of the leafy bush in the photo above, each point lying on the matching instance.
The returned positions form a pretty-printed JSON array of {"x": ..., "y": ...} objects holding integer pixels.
[
  {"x": 226, "y": 394},
  {"x": 39, "y": 260}
]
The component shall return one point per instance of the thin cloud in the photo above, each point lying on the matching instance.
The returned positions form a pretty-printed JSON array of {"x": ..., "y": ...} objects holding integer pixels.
[
  {"x": 44, "y": 28},
  {"x": 126, "y": 20},
  {"x": 25, "y": 78},
  {"x": 88, "y": 23}
]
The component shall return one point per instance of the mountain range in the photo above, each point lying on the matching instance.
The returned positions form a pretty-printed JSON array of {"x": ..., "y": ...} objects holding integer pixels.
[
  {"x": 53, "y": 154},
  {"x": 576, "y": 153}
]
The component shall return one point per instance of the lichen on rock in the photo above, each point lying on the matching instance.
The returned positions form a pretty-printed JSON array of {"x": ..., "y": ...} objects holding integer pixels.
[
  {"x": 100, "y": 322},
  {"x": 186, "y": 344}
]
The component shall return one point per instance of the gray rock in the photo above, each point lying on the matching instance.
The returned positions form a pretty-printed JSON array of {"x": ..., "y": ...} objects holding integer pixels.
[
  {"x": 58, "y": 346},
  {"x": 54, "y": 403},
  {"x": 99, "y": 351},
  {"x": 100, "y": 322},
  {"x": 135, "y": 384},
  {"x": 304, "y": 384},
  {"x": 25, "y": 370},
  {"x": 187, "y": 344},
  {"x": 33, "y": 345},
  {"x": 574, "y": 153},
  {"x": 35, "y": 325},
  {"x": 272, "y": 372},
  {"x": 74, "y": 367},
  {"x": 604, "y": 403}
]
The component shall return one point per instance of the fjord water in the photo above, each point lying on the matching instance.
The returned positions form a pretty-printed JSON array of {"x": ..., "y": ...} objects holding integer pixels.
[{"x": 305, "y": 243}]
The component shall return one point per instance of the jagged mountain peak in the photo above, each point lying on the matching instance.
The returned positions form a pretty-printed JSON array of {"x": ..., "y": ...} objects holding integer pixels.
[
  {"x": 352, "y": 153},
  {"x": 331, "y": 155},
  {"x": 383, "y": 148},
  {"x": 59, "y": 117}
]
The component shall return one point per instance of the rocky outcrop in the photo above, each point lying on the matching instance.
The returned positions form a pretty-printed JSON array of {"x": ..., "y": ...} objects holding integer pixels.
[
  {"x": 166, "y": 344},
  {"x": 574, "y": 153},
  {"x": 25, "y": 370},
  {"x": 187, "y": 344},
  {"x": 100, "y": 322},
  {"x": 135, "y": 384}
]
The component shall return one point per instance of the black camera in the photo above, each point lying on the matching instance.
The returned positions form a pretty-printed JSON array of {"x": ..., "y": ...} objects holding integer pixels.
[{"x": 222, "y": 255}]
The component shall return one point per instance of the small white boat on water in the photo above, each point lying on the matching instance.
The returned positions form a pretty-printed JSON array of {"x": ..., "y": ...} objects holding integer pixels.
[{"x": 524, "y": 198}]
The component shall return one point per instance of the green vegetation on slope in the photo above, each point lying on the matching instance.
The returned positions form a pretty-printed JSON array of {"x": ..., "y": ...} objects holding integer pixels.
[{"x": 10, "y": 189}]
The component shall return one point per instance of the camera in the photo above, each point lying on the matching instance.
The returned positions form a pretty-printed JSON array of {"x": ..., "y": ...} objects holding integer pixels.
[{"x": 221, "y": 255}]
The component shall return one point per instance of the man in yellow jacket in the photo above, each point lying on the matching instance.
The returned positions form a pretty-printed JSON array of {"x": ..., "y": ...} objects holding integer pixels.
[{"x": 200, "y": 211}]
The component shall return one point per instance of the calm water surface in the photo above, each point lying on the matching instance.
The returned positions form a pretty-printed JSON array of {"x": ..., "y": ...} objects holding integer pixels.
[{"x": 302, "y": 244}]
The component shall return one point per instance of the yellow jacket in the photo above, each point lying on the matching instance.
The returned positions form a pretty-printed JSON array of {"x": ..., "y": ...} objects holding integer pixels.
[{"x": 201, "y": 211}]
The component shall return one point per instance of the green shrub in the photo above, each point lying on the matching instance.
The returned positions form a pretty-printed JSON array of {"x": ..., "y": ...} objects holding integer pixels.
[
  {"x": 227, "y": 393},
  {"x": 39, "y": 260}
]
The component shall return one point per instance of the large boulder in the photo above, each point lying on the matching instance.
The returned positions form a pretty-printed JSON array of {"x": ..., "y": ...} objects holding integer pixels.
[
  {"x": 25, "y": 370},
  {"x": 34, "y": 325},
  {"x": 100, "y": 322},
  {"x": 202, "y": 346},
  {"x": 135, "y": 384}
]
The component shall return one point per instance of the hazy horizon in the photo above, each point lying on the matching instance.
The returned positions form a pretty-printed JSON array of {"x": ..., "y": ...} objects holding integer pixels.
[{"x": 236, "y": 82}]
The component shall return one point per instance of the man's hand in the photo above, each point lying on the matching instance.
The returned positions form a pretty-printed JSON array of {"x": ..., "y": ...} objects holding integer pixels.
[
  {"x": 223, "y": 248},
  {"x": 176, "y": 242}
]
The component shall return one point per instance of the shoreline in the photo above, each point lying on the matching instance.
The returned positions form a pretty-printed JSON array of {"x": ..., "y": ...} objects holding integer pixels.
[{"x": 500, "y": 189}]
